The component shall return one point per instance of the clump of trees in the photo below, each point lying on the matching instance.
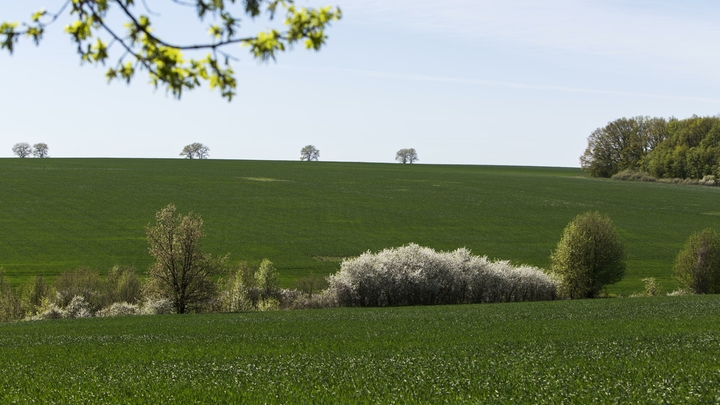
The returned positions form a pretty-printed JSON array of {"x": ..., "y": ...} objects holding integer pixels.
[
  {"x": 23, "y": 150},
  {"x": 195, "y": 150},
  {"x": 664, "y": 149},
  {"x": 697, "y": 267},
  {"x": 589, "y": 256},
  {"x": 407, "y": 155},
  {"x": 415, "y": 275},
  {"x": 309, "y": 153}
]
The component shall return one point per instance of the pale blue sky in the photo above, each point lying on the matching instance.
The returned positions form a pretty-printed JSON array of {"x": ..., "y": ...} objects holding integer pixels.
[{"x": 512, "y": 82}]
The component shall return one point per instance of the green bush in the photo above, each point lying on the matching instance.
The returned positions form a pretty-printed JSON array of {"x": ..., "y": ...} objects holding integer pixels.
[
  {"x": 121, "y": 285},
  {"x": 697, "y": 267},
  {"x": 589, "y": 256}
]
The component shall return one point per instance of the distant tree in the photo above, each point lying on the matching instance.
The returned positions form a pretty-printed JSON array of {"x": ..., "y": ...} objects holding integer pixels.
[
  {"x": 589, "y": 256},
  {"x": 195, "y": 151},
  {"x": 309, "y": 153},
  {"x": 406, "y": 156},
  {"x": 182, "y": 272},
  {"x": 617, "y": 146},
  {"x": 40, "y": 150},
  {"x": 22, "y": 149},
  {"x": 697, "y": 267}
]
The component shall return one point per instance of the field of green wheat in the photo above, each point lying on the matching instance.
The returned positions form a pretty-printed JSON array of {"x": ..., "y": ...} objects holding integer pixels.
[
  {"x": 625, "y": 350},
  {"x": 62, "y": 214}
]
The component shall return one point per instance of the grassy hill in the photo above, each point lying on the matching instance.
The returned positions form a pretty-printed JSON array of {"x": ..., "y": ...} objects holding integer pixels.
[
  {"x": 629, "y": 350},
  {"x": 61, "y": 214}
]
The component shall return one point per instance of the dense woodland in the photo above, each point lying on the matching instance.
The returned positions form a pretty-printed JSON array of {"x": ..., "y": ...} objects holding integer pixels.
[{"x": 666, "y": 149}]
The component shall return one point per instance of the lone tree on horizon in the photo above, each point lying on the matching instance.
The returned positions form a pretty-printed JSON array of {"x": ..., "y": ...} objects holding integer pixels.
[
  {"x": 22, "y": 149},
  {"x": 195, "y": 151},
  {"x": 408, "y": 155},
  {"x": 40, "y": 150},
  {"x": 100, "y": 28},
  {"x": 309, "y": 153}
]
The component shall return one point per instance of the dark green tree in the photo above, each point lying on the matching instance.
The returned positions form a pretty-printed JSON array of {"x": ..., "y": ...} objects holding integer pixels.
[
  {"x": 589, "y": 256},
  {"x": 697, "y": 267},
  {"x": 139, "y": 46}
]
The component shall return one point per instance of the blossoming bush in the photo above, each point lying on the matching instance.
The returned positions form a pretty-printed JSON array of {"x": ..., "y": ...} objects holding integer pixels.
[{"x": 415, "y": 275}]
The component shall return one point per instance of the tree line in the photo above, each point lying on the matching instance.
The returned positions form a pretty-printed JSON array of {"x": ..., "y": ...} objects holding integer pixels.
[{"x": 663, "y": 148}]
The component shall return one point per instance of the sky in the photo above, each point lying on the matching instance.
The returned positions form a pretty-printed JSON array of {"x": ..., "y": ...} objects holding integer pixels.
[{"x": 512, "y": 82}]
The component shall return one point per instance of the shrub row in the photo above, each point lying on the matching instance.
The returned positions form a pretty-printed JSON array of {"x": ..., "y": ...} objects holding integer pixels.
[
  {"x": 415, "y": 275},
  {"x": 632, "y": 175}
]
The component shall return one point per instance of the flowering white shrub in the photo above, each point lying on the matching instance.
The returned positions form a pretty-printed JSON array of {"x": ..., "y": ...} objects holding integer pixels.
[
  {"x": 296, "y": 299},
  {"x": 52, "y": 312},
  {"x": 415, "y": 275},
  {"x": 156, "y": 306},
  {"x": 119, "y": 309},
  {"x": 77, "y": 308}
]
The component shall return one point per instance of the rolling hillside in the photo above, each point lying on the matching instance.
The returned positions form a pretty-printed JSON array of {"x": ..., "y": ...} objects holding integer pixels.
[{"x": 61, "y": 214}]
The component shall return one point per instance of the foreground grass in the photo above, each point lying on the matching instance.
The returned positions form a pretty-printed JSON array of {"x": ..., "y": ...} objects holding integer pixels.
[
  {"x": 644, "y": 350},
  {"x": 61, "y": 214}
]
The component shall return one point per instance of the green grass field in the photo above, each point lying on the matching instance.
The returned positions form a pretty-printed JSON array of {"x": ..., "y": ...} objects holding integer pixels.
[
  {"x": 61, "y": 214},
  {"x": 627, "y": 350}
]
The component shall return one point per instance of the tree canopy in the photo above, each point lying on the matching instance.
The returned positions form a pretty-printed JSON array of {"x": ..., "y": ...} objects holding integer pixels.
[
  {"x": 139, "y": 47},
  {"x": 406, "y": 155},
  {"x": 688, "y": 148},
  {"x": 309, "y": 153}
]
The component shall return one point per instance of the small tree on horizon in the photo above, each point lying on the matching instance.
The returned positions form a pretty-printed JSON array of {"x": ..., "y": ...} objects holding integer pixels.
[
  {"x": 309, "y": 153},
  {"x": 697, "y": 267},
  {"x": 407, "y": 155},
  {"x": 195, "y": 150},
  {"x": 40, "y": 150},
  {"x": 589, "y": 256},
  {"x": 22, "y": 149}
]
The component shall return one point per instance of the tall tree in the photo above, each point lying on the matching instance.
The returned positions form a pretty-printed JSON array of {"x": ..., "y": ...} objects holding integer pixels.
[
  {"x": 97, "y": 28},
  {"x": 182, "y": 272}
]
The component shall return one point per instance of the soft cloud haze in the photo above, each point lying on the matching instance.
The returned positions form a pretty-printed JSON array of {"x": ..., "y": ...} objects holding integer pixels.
[{"x": 482, "y": 82}]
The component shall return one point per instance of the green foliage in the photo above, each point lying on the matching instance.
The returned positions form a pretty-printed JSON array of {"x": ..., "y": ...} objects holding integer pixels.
[
  {"x": 121, "y": 285},
  {"x": 166, "y": 62},
  {"x": 589, "y": 256},
  {"x": 247, "y": 288},
  {"x": 645, "y": 350},
  {"x": 688, "y": 148},
  {"x": 267, "y": 279},
  {"x": 35, "y": 296},
  {"x": 652, "y": 287},
  {"x": 81, "y": 282},
  {"x": 182, "y": 272},
  {"x": 697, "y": 266}
]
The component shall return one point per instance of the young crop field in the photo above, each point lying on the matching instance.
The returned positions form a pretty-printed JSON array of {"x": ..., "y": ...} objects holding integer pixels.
[
  {"x": 63, "y": 214},
  {"x": 627, "y": 350}
]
